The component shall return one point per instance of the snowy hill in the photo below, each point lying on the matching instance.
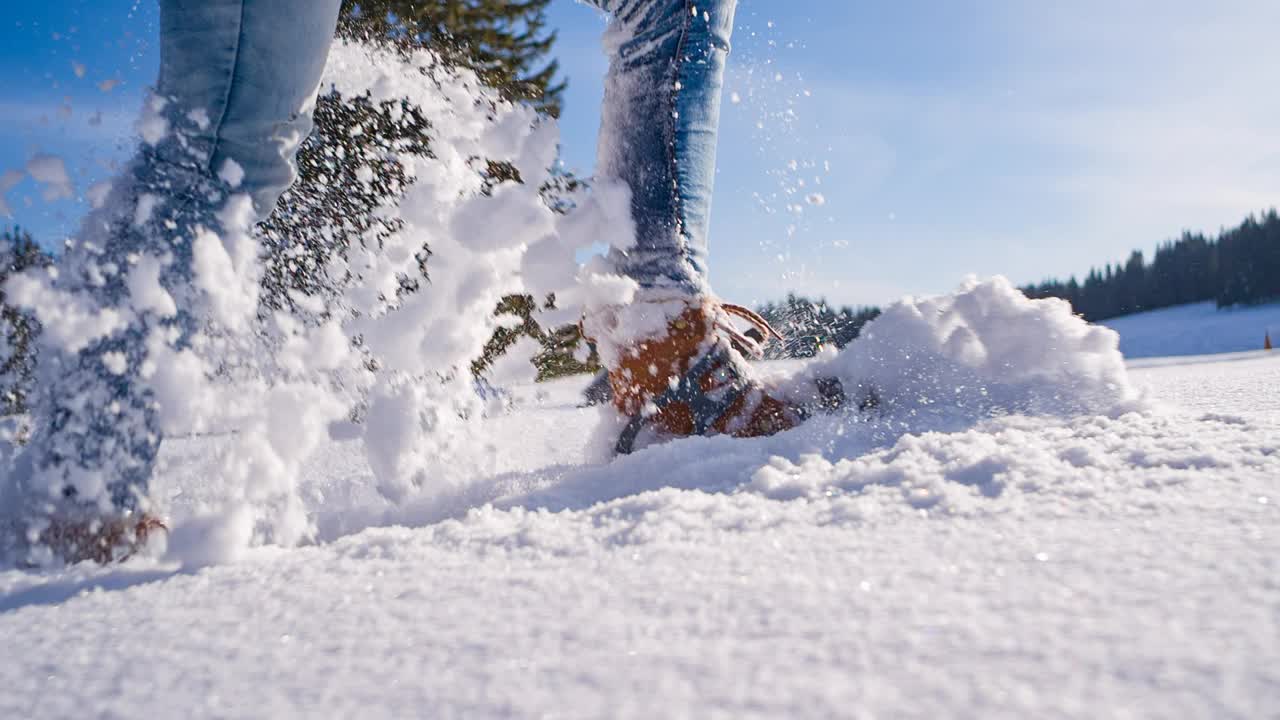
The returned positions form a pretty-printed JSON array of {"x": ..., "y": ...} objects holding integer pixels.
[{"x": 1197, "y": 329}]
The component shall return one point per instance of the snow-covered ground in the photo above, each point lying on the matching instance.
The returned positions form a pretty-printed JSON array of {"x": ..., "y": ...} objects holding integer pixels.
[
  {"x": 1014, "y": 525},
  {"x": 1196, "y": 329},
  {"x": 1091, "y": 566}
]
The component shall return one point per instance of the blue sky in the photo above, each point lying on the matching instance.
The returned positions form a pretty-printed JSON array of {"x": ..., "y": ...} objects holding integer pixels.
[{"x": 1018, "y": 137}]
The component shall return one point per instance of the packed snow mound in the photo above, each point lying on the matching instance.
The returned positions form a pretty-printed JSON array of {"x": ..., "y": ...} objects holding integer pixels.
[
  {"x": 1196, "y": 329},
  {"x": 983, "y": 350}
]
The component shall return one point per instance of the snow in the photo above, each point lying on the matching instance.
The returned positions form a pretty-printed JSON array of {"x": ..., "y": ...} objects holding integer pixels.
[
  {"x": 69, "y": 320},
  {"x": 1006, "y": 521},
  {"x": 152, "y": 126},
  {"x": 980, "y": 350},
  {"x": 1196, "y": 329},
  {"x": 51, "y": 172},
  {"x": 296, "y": 376},
  {"x": 1047, "y": 566},
  {"x": 231, "y": 172},
  {"x": 515, "y": 366},
  {"x": 8, "y": 180},
  {"x": 97, "y": 194},
  {"x": 145, "y": 290}
]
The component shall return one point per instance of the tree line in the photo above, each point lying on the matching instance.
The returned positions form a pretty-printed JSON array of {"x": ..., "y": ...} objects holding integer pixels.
[{"x": 1241, "y": 266}]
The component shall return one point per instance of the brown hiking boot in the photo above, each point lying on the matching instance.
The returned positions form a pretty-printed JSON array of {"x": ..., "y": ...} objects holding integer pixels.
[
  {"x": 100, "y": 539},
  {"x": 689, "y": 378}
]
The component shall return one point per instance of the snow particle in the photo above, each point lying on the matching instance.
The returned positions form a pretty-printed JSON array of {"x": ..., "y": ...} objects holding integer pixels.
[
  {"x": 7, "y": 181},
  {"x": 231, "y": 173},
  {"x": 51, "y": 171},
  {"x": 115, "y": 362},
  {"x": 152, "y": 125},
  {"x": 97, "y": 194},
  {"x": 200, "y": 117},
  {"x": 145, "y": 208}
]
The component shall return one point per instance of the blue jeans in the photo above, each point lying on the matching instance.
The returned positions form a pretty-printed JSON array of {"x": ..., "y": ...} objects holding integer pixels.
[
  {"x": 231, "y": 107},
  {"x": 237, "y": 81},
  {"x": 658, "y": 131}
]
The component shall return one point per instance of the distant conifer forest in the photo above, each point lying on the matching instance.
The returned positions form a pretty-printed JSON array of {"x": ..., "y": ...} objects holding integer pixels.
[{"x": 1240, "y": 266}]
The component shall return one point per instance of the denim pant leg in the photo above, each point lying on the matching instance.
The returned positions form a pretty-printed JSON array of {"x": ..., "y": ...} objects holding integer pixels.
[
  {"x": 659, "y": 130},
  {"x": 251, "y": 68},
  {"x": 237, "y": 82}
]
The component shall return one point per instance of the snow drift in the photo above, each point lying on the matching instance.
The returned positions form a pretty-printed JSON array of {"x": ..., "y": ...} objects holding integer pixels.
[{"x": 984, "y": 349}]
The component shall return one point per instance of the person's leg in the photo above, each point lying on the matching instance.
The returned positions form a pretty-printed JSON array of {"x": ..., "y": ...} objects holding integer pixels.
[
  {"x": 237, "y": 82},
  {"x": 674, "y": 356},
  {"x": 659, "y": 130},
  {"x": 247, "y": 72}
]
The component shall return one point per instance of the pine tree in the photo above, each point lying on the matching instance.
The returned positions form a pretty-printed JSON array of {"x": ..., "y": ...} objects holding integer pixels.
[
  {"x": 330, "y": 209},
  {"x": 328, "y": 212},
  {"x": 1240, "y": 266},
  {"x": 18, "y": 252},
  {"x": 506, "y": 42},
  {"x": 559, "y": 356}
]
